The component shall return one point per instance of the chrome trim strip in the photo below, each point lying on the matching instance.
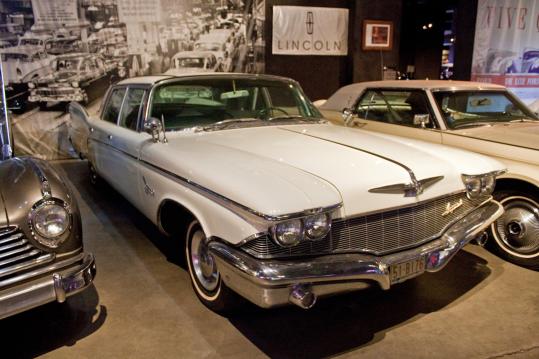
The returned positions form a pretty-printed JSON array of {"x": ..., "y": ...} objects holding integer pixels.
[
  {"x": 214, "y": 195},
  {"x": 43, "y": 270},
  {"x": 15, "y": 244},
  {"x": 11, "y": 238},
  {"x": 415, "y": 183},
  {"x": 46, "y": 191},
  {"x": 29, "y": 254},
  {"x": 39, "y": 260},
  {"x": 15, "y": 251}
]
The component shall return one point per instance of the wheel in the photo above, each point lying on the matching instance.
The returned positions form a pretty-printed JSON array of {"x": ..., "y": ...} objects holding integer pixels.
[
  {"x": 205, "y": 276},
  {"x": 516, "y": 232}
]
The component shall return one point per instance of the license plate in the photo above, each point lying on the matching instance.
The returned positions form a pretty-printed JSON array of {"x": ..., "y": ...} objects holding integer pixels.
[{"x": 402, "y": 271}]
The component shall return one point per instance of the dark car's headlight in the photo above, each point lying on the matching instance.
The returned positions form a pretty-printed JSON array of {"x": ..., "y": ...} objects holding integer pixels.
[
  {"x": 50, "y": 221},
  {"x": 480, "y": 186},
  {"x": 291, "y": 232}
]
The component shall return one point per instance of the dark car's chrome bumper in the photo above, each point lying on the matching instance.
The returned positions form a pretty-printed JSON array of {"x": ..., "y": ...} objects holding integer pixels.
[
  {"x": 270, "y": 283},
  {"x": 66, "y": 277}
]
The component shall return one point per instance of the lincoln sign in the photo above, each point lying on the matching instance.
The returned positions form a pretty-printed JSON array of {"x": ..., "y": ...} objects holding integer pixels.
[{"x": 300, "y": 30}]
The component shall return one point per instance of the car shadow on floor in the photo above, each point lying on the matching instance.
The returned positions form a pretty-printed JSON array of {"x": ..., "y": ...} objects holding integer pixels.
[
  {"x": 51, "y": 326},
  {"x": 347, "y": 322},
  {"x": 334, "y": 325}
]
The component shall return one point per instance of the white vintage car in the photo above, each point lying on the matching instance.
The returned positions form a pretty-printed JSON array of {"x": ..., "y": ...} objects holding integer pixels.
[
  {"x": 475, "y": 116},
  {"x": 274, "y": 203}
]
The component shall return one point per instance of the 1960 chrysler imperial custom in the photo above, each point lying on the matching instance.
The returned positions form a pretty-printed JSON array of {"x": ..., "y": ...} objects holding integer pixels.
[
  {"x": 479, "y": 117},
  {"x": 274, "y": 203}
]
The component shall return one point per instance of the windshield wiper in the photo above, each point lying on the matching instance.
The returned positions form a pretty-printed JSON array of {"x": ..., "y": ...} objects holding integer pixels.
[
  {"x": 284, "y": 117},
  {"x": 220, "y": 125},
  {"x": 472, "y": 124}
]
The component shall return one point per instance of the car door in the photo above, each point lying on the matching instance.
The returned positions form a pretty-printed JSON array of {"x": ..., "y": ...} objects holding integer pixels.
[
  {"x": 393, "y": 111},
  {"x": 126, "y": 141}
]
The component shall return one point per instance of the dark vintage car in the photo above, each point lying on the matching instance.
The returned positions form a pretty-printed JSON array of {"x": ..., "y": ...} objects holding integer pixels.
[
  {"x": 79, "y": 77},
  {"x": 41, "y": 252}
]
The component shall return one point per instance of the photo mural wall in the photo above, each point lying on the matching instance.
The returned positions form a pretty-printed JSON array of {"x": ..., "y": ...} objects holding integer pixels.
[
  {"x": 506, "y": 46},
  {"x": 57, "y": 51}
]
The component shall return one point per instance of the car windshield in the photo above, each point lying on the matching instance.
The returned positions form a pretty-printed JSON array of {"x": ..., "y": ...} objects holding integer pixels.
[
  {"x": 205, "y": 102},
  {"x": 475, "y": 108},
  {"x": 33, "y": 42},
  {"x": 189, "y": 62},
  {"x": 208, "y": 46},
  {"x": 66, "y": 64}
]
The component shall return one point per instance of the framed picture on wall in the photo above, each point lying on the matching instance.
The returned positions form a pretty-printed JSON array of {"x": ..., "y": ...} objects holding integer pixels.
[{"x": 377, "y": 35}]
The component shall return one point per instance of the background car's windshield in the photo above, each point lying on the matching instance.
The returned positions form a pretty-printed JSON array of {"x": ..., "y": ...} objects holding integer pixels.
[
  {"x": 203, "y": 102},
  {"x": 189, "y": 62},
  {"x": 466, "y": 108},
  {"x": 66, "y": 64}
]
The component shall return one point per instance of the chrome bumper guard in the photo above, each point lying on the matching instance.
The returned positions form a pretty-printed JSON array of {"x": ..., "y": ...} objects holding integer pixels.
[
  {"x": 270, "y": 283},
  {"x": 71, "y": 276}
]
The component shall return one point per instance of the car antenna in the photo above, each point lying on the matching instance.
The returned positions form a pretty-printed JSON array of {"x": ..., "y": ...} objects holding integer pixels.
[{"x": 164, "y": 130}]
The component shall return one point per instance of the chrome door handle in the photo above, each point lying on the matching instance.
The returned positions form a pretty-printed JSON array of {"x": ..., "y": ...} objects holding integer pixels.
[{"x": 109, "y": 137}]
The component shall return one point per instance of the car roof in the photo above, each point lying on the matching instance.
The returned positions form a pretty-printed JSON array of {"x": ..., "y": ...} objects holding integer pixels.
[
  {"x": 152, "y": 80},
  {"x": 346, "y": 96}
]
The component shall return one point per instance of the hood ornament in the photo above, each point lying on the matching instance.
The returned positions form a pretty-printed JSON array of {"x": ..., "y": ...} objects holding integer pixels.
[{"x": 413, "y": 189}]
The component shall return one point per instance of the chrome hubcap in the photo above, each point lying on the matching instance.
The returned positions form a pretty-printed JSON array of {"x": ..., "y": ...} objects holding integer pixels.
[
  {"x": 203, "y": 262},
  {"x": 518, "y": 228}
]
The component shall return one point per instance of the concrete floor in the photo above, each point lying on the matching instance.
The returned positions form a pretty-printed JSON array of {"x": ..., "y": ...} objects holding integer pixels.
[{"x": 142, "y": 306}]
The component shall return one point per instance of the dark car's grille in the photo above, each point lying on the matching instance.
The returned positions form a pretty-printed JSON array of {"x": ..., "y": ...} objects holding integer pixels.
[
  {"x": 379, "y": 233},
  {"x": 17, "y": 254},
  {"x": 54, "y": 91}
]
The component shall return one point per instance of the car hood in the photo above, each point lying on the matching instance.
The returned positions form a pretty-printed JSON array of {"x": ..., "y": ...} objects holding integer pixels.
[
  {"x": 285, "y": 169},
  {"x": 522, "y": 134}
]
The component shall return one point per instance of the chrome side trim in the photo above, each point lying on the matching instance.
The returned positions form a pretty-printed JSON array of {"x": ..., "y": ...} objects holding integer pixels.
[
  {"x": 227, "y": 202},
  {"x": 415, "y": 183},
  {"x": 46, "y": 191}
]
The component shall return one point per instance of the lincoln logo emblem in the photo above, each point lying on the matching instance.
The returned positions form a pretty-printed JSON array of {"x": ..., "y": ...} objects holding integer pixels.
[{"x": 309, "y": 22}]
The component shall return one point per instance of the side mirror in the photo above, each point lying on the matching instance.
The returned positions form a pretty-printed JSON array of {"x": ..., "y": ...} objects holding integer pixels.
[
  {"x": 154, "y": 127},
  {"x": 347, "y": 115},
  {"x": 421, "y": 120}
]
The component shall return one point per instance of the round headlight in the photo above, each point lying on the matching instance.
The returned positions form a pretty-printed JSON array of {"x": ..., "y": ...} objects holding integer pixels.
[
  {"x": 317, "y": 226},
  {"x": 50, "y": 222},
  {"x": 473, "y": 186},
  {"x": 75, "y": 84},
  {"x": 31, "y": 85},
  {"x": 288, "y": 233}
]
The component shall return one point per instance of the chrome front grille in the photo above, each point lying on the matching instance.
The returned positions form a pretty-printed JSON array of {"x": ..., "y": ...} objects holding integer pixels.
[
  {"x": 17, "y": 254},
  {"x": 54, "y": 91},
  {"x": 378, "y": 233}
]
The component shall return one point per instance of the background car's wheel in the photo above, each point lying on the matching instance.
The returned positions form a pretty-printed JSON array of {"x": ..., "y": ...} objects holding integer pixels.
[
  {"x": 205, "y": 276},
  {"x": 516, "y": 233}
]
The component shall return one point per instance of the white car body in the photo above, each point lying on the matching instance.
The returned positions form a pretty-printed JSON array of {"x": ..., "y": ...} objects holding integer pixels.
[
  {"x": 238, "y": 181},
  {"x": 516, "y": 144}
]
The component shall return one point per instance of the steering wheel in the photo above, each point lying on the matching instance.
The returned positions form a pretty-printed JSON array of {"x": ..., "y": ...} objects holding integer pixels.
[{"x": 266, "y": 111}]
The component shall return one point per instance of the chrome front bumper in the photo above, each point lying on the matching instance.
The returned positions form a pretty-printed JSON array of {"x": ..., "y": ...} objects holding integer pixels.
[
  {"x": 270, "y": 283},
  {"x": 65, "y": 278}
]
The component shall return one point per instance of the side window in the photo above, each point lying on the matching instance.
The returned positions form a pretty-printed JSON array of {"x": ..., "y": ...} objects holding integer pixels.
[
  {"x": 394, "y": 106},
  {"x": 131, "y": 108},
  {"x": 114, "y": 105}
]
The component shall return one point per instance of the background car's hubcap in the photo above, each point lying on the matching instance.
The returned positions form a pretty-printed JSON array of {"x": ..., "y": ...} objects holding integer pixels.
[
  {"x": 203, "y": 263},
  {"x": 518, "y": 228}
]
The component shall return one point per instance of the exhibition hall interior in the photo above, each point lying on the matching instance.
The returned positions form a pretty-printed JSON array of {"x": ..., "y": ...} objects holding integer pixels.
[{"x": 269, "y": 179}]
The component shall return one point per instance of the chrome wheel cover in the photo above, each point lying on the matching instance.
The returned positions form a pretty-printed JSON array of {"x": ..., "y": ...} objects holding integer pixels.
[
  {"x": 517, "y": 230},
  {"x": 203, "y": 264}
]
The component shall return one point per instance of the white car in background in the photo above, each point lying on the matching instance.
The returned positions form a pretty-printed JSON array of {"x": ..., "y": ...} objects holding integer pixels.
[
  {"x": 274, "y": 203},
  {"x": 479, "y": 117},
  {"x": 185, "y": 62}
]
